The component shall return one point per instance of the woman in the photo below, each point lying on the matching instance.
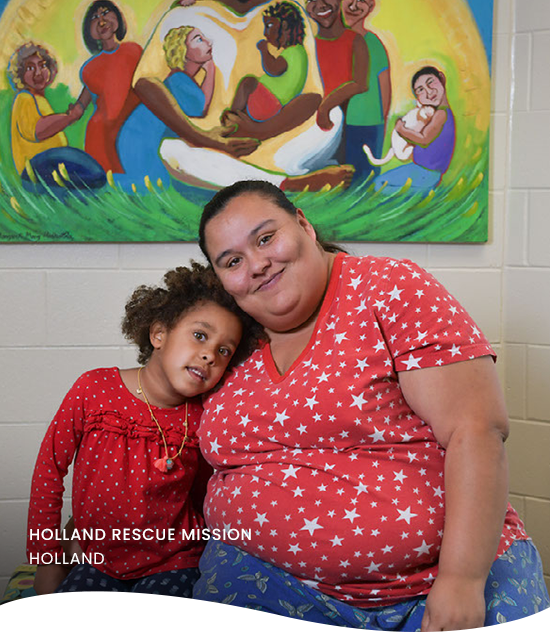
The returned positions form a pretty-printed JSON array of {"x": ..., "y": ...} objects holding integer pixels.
[
  {"x": 433, "y": 145},
  {"x": 39, "y": 145},
  {"x": 107, "y": 79},
  {"x": 187, "y": 52},
  {"x": 363, "y": 445}
]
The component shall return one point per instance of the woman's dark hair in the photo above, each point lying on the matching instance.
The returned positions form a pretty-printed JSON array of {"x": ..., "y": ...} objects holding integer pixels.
[
  {"x": 290, "y": 15},
  {"x": 262, "y": 188},
  {"x": 184, "y": 288},
  {"x": 92, "y": 44},
  {"x": 428, "y": 70}
]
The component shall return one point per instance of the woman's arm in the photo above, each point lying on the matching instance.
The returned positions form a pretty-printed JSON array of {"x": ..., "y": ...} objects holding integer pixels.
[
  {"x": 343, "y": 93},
  {"x": 156, "y": 96},
  {"x": 428, "y": 133},
  {"x": 464, "y": 406},
  {"x": 384, "y": 79}
]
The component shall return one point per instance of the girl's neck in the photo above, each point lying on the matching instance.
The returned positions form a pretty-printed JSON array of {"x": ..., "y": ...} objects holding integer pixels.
[
  {"x": 155, "y": 388},
  {"x": 191, "y": 68}
]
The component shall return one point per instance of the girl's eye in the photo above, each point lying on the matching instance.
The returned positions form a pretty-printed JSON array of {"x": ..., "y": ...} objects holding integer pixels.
[
  {"x": 199, "y": 335},
  {"x": 232, "y": 262},
  {"x": 225, "y": 352}
]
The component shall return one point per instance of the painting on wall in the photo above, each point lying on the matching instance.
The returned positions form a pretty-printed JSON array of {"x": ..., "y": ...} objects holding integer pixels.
[{"x": 118, "y": 120}]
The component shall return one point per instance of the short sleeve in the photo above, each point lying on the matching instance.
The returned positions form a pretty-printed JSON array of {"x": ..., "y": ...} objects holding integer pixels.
[
  {"x": 423, "y": 324},
  {"x": 26, "y": 116}
]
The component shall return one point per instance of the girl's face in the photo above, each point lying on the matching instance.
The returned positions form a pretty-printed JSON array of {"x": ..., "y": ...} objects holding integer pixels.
[
  {"x": 194, "y": 354},
  {"x": 37, "y": 76},
  {"x": 199, "y": 49},
  {"x": 356, "y": 10},
  {"x": 271, "y": 30},
  {"x": 429, "y": 90},
  {"x": 104, "y": 24},
  {"x": 268, "y": 260}
]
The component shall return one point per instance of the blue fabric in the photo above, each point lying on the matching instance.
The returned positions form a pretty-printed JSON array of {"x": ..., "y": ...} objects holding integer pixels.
[
  {"x": 138, "y": 142},
  {"x": 84, "y": 171},
  {"x": 515, "y": 589},
  {"x": 89, "y": 601},
  {"x": 422, "y": 179},
  {"x": 356, "y": 137}
]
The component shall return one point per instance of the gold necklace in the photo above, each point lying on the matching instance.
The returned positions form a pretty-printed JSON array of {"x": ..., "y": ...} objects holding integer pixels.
[{"x": 166, "y": 463}]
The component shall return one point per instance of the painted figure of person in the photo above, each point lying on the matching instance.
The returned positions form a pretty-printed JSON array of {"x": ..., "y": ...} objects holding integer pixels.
[
  {"x": 285, "y": 74},
  {"x": 187, "y": 52},
  {"x": 39, "y": 145},
  {"x": 107, "y": 79},
  {"x": 367, "y": 112},
  {"x": 433, "y": 144},
  {"x": 289, "y": 149},
  {"x": 342, "y": 55}
]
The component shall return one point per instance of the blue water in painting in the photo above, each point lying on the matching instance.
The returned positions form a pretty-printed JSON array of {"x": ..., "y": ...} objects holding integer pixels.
[{"x": 482, "y": 11}]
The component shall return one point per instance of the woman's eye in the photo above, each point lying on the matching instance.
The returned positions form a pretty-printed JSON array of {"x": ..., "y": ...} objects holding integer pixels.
[
  {"x": 265, "y": 239},
  {"x": 232, "y": 262},
  {"x": 199, "y": 335}
]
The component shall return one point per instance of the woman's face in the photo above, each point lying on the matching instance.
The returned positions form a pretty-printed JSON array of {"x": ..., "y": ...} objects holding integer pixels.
[
  {"x": 268, "y": 260},
  {"x": 199, "y": 49},
  {"x": 37, "y": 76},
  {"x": 104, "y": 24}
]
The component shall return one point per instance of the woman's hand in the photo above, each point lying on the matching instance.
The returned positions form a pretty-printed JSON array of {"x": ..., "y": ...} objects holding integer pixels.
[
  {"x": 48, "y": 577},
  {"x": 454, "y": 603}
]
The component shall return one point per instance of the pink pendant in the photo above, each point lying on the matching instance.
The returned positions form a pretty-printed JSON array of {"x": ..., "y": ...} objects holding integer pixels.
[{"x": 162, "y": 465}]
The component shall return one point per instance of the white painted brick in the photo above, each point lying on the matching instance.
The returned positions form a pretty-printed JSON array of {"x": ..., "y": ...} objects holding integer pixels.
[
  {"x": 475, "y": 255},
  {"x": 540, "y": 85},
  {"x": 529, "y": 152},
  {"x": 522, "y": 71},
  {"x": 515, "y": 380},
  {"x": 501, "y": 73},
  {"x": 539, "y": 228},
  {"x": 22, "y": 308},
  {"x": 532, "y": 15},
  {"x": 59, "y": 256},
  {"x": 20, "y": 445},
  {"x": 479, "y": 293},
  {"x": 38, "y": 379},
  {"x": 85, "y": 308},
  {"x": 516, "y": 228},
  {"x": 498, "y": 152},
  {"x": 503, "y": 16},
  {"x": 527, "y": 306},
  {"x": 528, "y": 447},
  {"x": 13, "y": 529},
  {"x": 538, "y": 382},
  {"x": 159, "y": 256},
  {"x": 415, "y": 252}
]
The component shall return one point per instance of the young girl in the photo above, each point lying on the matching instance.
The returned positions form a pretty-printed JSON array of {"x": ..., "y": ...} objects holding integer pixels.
[{"x": 137, "y": 473}]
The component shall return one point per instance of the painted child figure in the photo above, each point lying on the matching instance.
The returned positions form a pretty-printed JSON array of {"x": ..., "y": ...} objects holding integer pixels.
[
  {"x": 138, "y": 474},
  {"x": 264, "y": 97}
]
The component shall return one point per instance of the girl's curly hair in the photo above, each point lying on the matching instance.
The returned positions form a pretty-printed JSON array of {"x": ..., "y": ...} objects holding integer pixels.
[
  {"x": 184, "y": 288},
  {"x": 16, "y": 67}
]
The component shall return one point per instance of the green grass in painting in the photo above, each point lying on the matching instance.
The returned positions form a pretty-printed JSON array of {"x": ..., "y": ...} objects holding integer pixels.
[{"x": 455, "y": 211}]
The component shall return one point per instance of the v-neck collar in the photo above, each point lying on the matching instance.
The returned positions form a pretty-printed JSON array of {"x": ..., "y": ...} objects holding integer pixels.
[{"x": 269, "y": 362}]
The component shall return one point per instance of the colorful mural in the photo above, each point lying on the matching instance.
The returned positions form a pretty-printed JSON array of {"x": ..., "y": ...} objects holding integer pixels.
[{"x": 119, "y": 119}]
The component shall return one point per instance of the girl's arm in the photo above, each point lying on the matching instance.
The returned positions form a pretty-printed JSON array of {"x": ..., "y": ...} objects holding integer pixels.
[
  {"x": 343, "y": 93},
  {"x": 274, "y": 66},
  {"x": 428, "y": 133},
  {"x": 465, "y": 408},
  {"x": 54, "y": 458}
]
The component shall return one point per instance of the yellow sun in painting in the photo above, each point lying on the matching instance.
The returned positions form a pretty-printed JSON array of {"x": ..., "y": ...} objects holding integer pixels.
[{"x": 415, "y": 32}]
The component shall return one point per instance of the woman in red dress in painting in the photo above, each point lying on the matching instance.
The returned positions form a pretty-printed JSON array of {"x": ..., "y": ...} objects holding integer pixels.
[{"x": 107, "y": 79}]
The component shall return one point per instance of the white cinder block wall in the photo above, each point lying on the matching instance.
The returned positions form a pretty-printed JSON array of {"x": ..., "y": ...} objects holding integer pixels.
[{"x": 61, "y": 303}]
